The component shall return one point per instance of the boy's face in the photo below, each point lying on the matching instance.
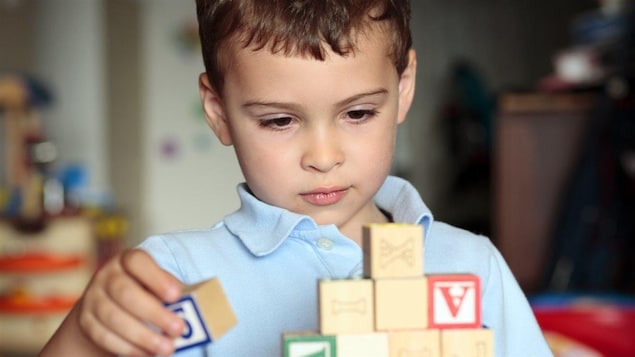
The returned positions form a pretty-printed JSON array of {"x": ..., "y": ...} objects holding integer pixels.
[{"x": 314, "y": 137}]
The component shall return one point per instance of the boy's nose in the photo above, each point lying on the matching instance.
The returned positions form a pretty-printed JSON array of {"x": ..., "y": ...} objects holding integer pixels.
[{"x": 323, "y": 151}]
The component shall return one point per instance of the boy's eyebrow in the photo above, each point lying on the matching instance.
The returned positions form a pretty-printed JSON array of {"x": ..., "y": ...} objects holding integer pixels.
[
  {"x": 377, "y": 92},
  {"x": 256, "y": 103}
]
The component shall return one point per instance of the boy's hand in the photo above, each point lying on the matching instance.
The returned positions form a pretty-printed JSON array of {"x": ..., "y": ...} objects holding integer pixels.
[{"x": 123, "y": 299}]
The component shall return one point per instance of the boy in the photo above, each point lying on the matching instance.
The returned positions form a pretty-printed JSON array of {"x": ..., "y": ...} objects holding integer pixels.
[{"x": 310, "y": 94}]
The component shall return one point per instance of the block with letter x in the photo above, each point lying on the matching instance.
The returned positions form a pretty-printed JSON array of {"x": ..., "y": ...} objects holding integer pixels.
[
  {"x": 392, "y": 250},
  {"x": 454, "y": 301}
]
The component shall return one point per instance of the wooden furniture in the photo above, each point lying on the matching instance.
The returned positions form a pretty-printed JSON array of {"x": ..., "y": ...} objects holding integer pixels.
[{"x": 538, "y": 138}]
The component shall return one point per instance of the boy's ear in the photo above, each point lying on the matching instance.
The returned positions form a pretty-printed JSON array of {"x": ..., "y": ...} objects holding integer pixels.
[
  {"x": 407, "y": 86},
  {"x": 213, "y": 110}
]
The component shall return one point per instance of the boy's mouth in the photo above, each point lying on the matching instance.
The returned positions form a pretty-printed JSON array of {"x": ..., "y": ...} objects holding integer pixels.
[{"x": 325, "y": 196}]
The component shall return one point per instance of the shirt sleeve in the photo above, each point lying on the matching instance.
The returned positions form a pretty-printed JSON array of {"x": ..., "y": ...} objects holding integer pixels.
[
  {"x": 159, "y": 250},
  {"x": 507, "y": 311}
]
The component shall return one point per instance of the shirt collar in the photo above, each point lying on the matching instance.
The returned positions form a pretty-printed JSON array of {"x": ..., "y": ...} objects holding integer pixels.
[{"x": 262, "y": 227}]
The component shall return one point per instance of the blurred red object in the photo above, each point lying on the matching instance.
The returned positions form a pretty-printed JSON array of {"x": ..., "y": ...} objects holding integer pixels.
[
  {"x": 38, "y": 262},
  {"x": 604, "y": 324}
]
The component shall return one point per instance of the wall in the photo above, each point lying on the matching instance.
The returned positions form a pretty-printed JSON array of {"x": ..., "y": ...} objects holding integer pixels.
[
  {"x": 123, "y": 70},
  {"x": 17, "y": 36},
  {"x": 16, "y": 49},
  {"x": 70, "y": 59},
  {"x": 62, "y": 47},
  {"x": 189, "y": 179}
]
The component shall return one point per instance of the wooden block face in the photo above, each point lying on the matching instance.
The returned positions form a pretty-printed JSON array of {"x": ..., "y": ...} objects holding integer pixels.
[
  {"x": 393, "y": 250},
  {"x": 415, "y": 343},
  {"x": 401, "y": 303},
  {"x": 454, "y": 301},
  {"x": 206, "y": 312},
  {"x": 308, "y": 345},
  {"x": 217, "y": 311},
  {"x": 373, "y": 344},
  {"x": 346, "y": 306},
  {"x": 467, "y": 343}
]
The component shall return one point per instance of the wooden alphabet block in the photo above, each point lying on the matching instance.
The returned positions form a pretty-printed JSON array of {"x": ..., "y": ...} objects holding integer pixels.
[
  {"x": 415, "y": 343},
  {"x": 467, "y": 343},
  {"x": 206, "y": 312},
  {"x": 454, "y": 301},
  {"x": 308, "y": 344},
  {"x": 401, "y": 303},
  {"x": 374, "y": 344},
  {"x": 345, "y": 306},
  {"x": 393, "y": 250}
]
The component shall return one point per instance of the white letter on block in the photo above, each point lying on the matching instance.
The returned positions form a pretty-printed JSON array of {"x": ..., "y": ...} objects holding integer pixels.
[{"x": 455, "y": 301}]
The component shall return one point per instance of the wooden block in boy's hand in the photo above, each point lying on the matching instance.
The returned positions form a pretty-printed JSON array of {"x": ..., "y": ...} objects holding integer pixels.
[
  {"x": 392, "y": 250},
  {"x": 206, "y": 312}
]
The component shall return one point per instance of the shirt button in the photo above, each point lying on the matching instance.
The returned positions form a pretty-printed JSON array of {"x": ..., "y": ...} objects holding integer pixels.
[{"x": 325, "y": 243}]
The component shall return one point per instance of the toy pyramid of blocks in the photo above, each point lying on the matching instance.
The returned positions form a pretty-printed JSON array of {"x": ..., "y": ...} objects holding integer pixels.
[{"x": 396, "y": 310}]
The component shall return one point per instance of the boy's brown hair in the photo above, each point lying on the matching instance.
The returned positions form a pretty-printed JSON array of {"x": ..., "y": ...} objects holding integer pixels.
[{"x": 297, "y": 27}]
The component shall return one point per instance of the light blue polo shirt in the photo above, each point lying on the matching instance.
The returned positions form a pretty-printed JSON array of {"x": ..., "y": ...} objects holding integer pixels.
[{"x": 269, "y": 260}]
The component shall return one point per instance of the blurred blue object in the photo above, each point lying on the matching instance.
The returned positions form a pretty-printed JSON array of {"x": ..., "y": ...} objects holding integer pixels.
[
  {"x": 571, "y": 298},
  {"x": 596, "y": 27}
]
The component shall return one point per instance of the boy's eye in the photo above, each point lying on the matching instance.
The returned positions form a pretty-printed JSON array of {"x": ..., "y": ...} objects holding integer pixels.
[
  {"x": 276, "y": 123},
  {"x": 361, "y": 114}
]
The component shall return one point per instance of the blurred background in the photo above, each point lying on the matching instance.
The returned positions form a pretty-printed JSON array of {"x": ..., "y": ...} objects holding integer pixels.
[{"x": 522, "y": 129}]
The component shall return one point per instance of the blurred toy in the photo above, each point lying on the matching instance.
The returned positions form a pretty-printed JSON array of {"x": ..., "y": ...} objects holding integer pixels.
[
  {"x": 27, "y": 153},
  {"x": 602, "y": 52}
]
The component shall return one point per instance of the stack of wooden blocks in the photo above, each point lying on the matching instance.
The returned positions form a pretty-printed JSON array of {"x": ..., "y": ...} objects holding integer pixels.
[{"x": 396, "y": 310}]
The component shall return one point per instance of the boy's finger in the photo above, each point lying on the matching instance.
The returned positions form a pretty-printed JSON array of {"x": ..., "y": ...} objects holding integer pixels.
[
  {"x": 138, "y": 302},
  {"x": 143, "y": 268},
  {"x": 108, "y": 326},
  {"x": 139, "y": 337}
]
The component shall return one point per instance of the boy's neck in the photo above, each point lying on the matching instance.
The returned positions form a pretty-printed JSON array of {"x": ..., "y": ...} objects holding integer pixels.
[{"x": 354, "y": 232}]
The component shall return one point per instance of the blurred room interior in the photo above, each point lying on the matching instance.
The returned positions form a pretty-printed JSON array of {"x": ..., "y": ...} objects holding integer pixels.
[{"x": 522, "y": 129}]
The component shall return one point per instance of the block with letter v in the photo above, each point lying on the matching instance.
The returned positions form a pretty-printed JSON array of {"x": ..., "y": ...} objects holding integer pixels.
[{"x": 454, "y": 301}]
